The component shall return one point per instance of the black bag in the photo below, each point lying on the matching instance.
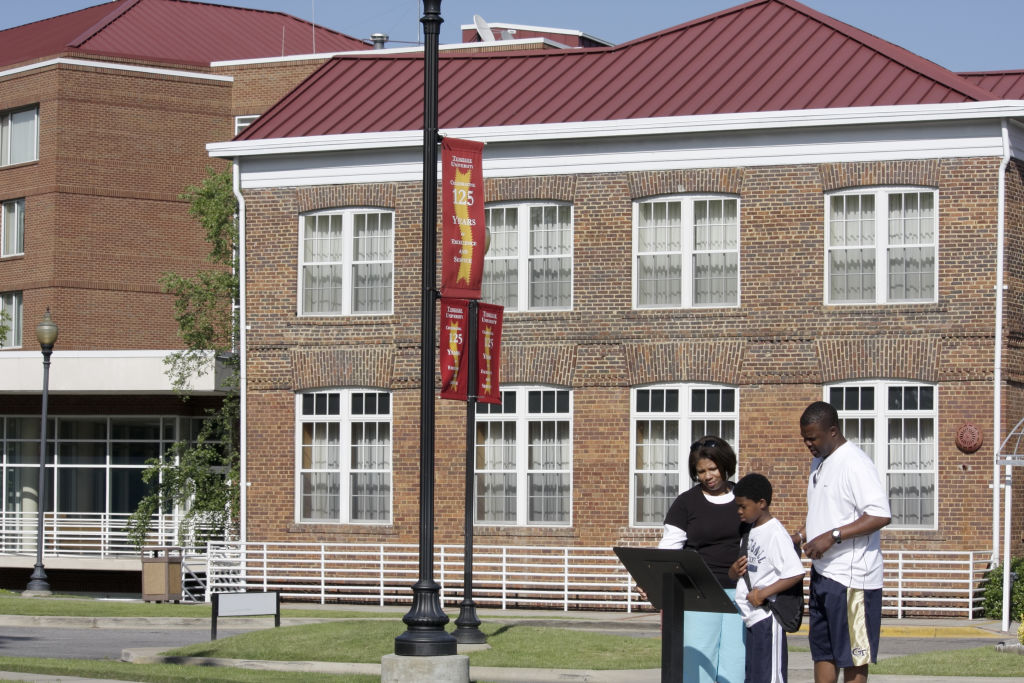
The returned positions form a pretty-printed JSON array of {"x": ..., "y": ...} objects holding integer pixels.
[{"x": 788, "y": 606}]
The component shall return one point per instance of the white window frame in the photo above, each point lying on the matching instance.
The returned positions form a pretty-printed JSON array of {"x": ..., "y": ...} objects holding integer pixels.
[
  {"x": 345, "y": 418},
  {"x": 244, "y": 121},
  {"x": 345, "y": 261},
  {"x": 12, "y": 232},
  {"x": 689, "y": 423},
  {"x": 881, "y": 244},
  {"x": 13, "y": 305},
  {"x": 878, "y": 418},
  {"x": 522, "y": 419},
  {"x": 525, "y": 259},
  {"x": 6, "y": 130},
  {"x": 687, "y": 253}
]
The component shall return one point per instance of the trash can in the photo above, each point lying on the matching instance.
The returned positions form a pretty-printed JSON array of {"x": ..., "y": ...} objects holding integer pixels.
[{"x": 161, "y": 574}]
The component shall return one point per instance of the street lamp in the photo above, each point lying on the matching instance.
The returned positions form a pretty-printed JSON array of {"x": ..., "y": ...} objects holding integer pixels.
[
  {"x": 46, "y": 333},
  {"x": 467, "y": 631},
  {"x": 425, "y": 636}
]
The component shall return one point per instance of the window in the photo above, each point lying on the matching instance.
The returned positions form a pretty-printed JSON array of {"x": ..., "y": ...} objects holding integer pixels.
[
  {"x": 686, "y": 252},
  {"x": 534, "y": 240},
  {"x": 346, "y": 262},
  {"x": 19, "y": 136},
  {"x": 11, "y": 317},
  {"x": 895, "y": 425},
  {"x": 524, "y": 458},
  {"x": 882, "y": 258},
  {"x": 666, "y": 419},
  {"x": 344, "y": 456},
  {"x": 94, "y": 467},
  {"x": 243, "y": 122},
  {"x": 12, "y": 227}
]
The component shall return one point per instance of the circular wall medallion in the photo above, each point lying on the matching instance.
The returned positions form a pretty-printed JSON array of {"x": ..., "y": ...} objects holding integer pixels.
[{"x": 968, "y": 438}]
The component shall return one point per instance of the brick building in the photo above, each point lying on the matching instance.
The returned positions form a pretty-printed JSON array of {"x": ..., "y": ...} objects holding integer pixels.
[
  {"x": 699, "y": 231},
  {"x": 105, "y": 113}
]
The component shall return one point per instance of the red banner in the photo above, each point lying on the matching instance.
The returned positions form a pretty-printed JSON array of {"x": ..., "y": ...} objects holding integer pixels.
[
  {"x": 454, "y": 363},
  {"x": 462, "y": 212},
  {"x": 488, "y": 352}
]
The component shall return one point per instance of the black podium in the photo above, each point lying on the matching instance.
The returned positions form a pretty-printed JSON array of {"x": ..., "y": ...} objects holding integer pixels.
[{"x": 676, "y": 581}]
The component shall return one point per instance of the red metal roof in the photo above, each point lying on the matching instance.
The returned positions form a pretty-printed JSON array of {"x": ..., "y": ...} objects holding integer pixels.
[
  {"x": 765, "y": 55},
  {"x": 1008, "y": 85},
  {"x": 177, "y": 31}
]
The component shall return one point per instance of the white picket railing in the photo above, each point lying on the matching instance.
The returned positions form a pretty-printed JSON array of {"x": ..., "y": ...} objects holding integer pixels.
[
  {"x": 916, "y": 582},
  {"x": 94, "y": 535}
]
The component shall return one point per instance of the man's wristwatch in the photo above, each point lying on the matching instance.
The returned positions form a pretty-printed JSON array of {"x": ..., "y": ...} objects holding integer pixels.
[{"x": 836, "y": 536}]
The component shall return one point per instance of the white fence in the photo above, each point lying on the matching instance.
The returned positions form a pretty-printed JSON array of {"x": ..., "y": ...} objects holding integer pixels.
[
  {"x": 93, "y": 535},
  {"x": 916, "y": 582}
]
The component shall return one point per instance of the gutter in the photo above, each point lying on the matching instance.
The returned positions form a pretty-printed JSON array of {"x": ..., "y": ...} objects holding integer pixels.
[
  {"x": 243, "y": 369},
  {"x": 997, "y": 361}
]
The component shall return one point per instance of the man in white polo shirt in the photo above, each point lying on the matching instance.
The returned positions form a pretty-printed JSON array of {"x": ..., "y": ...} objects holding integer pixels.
[{"x": 846, "y": 507}]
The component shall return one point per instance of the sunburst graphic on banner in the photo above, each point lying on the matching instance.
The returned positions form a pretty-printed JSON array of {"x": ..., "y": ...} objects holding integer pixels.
[
  {"x": 488, "y": 334},
  {"x": 453, "y": 348},
  {"x": 462, "y": 179}
]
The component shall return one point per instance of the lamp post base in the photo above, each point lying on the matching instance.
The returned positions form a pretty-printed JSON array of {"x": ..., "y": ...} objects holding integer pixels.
[
  {"x": 425, "y": 636},
  {"x": 467, "y": 631},
  {"x": 38, "y": 586}
]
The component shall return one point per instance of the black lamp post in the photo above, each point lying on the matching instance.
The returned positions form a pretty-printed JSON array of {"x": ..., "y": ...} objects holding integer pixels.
[
  {"x": 46, "y": 333},
  {"x": 425, "y": 636},
  {"x": 467, "y": 624}
]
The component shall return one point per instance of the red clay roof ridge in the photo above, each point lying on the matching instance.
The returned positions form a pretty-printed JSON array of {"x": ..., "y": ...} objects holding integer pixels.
[
  {"x": 909, "y": 60},
  {"x": 106, "y": 21}
]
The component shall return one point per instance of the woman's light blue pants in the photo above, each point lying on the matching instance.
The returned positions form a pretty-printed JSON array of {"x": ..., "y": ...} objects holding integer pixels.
[{"x": 713, "y": 647}]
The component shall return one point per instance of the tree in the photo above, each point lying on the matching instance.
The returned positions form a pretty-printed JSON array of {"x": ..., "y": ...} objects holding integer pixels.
[
  {"x": 4, "y": 327},
  {"x": 200, "y": 473}
]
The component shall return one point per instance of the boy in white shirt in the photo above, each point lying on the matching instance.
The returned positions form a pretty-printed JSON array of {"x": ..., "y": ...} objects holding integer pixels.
[{"x": 772, "y": 565}]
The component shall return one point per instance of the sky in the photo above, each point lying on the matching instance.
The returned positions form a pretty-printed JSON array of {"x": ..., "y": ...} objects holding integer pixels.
[{"x": 961, "y": 35}]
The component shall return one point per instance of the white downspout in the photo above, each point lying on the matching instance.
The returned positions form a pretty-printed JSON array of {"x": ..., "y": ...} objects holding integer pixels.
[
  {"x": 997, "y": 364},
  {"x": 1008, "y": 487},
  {"x": 242, "y": 326}
]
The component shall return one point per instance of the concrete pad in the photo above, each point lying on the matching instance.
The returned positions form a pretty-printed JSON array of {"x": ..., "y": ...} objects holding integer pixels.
[{"x": 446, "y": 669}]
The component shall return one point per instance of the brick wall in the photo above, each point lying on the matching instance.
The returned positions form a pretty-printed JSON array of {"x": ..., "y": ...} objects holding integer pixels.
[
  {"x": 778, "y": 347},
  {"x": 103, "y": 217}
]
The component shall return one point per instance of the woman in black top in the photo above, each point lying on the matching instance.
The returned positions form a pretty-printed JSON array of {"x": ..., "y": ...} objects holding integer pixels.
[{"x": 704, "y": 518}]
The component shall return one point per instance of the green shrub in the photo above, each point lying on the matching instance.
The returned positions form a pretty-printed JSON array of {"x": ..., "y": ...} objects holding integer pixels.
[{"x": 992, "y": 603}]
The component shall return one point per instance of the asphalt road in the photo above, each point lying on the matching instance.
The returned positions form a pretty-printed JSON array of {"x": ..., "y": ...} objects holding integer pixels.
[{"x": 95, "y": 643}]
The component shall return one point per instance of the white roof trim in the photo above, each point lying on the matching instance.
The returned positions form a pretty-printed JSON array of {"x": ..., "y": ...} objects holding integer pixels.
[
  {"x": 545, "y": 29},
  {"x": 631, "y": 127},
  {"x": 115, "y": 66},
  {"x": 386, "y": 51}
]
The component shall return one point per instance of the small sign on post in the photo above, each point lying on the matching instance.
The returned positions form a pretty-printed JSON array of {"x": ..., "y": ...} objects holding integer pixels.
[{"x": 245, "y": 605}]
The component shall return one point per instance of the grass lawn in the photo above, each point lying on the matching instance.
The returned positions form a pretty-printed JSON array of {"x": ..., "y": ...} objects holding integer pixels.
[
  {"x": 978, "y": 661},
  {"x": 73, "y": 606},
  {"x": 368, "y": 641}
]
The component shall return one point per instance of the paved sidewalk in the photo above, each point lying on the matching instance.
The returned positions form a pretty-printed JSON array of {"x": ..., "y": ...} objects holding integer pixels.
[{"x": 898, "y": 637}]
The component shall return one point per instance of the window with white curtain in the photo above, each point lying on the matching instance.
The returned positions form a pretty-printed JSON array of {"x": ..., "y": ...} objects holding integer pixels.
[
  {"x": 686, "y": 252},
  {"x": 12, "y": 227},
  {"x": 344, "y": 456},
  {"x": 19, "y": 136},
  {"x": 894, "y": 423},
  {"x": 666, "y": 419},
  {"x": 882, "y": 245},
  {"x": 346, "y": 262},
  {"x": 524, "y": 457},
  {"x": 529, "y": 264},
  {"x": 11, "y": 317}
]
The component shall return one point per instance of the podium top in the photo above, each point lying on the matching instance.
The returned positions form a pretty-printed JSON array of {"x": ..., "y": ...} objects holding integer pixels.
[{"x": 701, "y": 590}]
